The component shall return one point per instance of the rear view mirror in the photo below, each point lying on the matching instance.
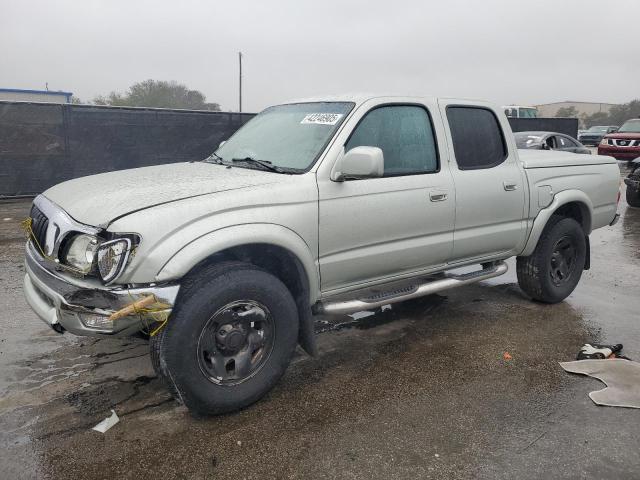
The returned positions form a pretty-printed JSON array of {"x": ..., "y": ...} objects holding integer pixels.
[{"x": 359, "y": 162}]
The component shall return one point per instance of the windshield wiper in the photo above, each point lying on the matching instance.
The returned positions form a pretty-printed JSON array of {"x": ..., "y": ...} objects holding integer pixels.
[
  {"x": 215, "y": 158},
  {"x": 263, "y": 163}
]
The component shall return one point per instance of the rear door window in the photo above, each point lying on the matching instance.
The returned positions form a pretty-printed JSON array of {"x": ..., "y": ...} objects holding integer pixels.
[{"x": 478, "y": 141}]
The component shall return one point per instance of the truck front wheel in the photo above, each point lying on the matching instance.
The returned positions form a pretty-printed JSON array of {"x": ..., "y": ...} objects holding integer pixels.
[
  {"x": 554, "y": 268},
  {"x": 229, "y": 339}
]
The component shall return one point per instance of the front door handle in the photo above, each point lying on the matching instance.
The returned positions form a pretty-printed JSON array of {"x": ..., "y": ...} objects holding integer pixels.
[
  {"x": 438, "y": 196},
  {"x": 510, "y": 186}
]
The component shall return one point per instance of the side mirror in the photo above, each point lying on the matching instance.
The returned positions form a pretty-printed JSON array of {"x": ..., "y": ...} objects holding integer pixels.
[
  {"x": 359, "y": 162},
  {"x": 545, "y": 146},
  {"x": 222, "y": 143}
]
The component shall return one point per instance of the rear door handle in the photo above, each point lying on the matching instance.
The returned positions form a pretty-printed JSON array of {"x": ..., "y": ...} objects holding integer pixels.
[
  {"x": 510, "y": 186},
  {"x": 437, "y": 196}
]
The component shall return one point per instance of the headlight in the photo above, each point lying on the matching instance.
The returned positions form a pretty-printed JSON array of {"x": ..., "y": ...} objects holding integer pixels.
[
  {"x": 112, "y": 258},
  {"x": 81, "y": 252},
  {"x": 604, "y": 141}
]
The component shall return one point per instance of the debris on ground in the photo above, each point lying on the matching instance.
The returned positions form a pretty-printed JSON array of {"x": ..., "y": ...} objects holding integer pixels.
[
  {"x": 592, "y": 351},
  {"x": 107, "y": 423},
  {"x": 621, "y": 376},
  {"x": 507, "y": 356}
]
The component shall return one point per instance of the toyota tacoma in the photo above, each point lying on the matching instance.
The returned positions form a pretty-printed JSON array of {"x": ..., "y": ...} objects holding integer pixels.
[{"x": 323, "y": 206}]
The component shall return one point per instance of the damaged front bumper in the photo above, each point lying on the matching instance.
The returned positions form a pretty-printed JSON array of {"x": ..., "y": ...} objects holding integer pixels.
[{"x": 83, "y": 307}]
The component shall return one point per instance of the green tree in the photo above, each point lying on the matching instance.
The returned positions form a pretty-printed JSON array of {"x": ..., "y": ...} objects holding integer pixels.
[
  {"x": 158, "y": 94},
  {"x": 567, "y": 112},
  {"x": 621, "y": 113},
  {"x": 598, "y": 118}
]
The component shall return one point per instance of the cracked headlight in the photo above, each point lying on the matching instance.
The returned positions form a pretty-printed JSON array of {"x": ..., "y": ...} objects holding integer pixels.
[
  {"x": 112, "y": 258},
  {"x": 80, "y": 253}
]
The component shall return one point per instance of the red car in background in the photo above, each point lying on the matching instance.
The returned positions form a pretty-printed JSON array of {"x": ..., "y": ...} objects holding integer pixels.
[{"x": 623, "y": 144}]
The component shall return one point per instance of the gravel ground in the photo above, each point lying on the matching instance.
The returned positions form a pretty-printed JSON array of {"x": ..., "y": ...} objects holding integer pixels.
[{"x": 420, "y": 390}]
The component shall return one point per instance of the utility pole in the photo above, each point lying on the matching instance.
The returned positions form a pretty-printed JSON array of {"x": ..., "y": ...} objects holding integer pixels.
[{"x": 240, "y": 82}]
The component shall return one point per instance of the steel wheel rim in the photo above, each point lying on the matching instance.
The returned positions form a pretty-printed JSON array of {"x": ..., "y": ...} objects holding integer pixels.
[
  {"x": 236, "y": 342},
  {"x": 563, "y": 260}
]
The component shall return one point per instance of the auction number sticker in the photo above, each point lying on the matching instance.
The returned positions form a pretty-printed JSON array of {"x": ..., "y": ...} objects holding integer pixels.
[{"x": 321, "y": 118}]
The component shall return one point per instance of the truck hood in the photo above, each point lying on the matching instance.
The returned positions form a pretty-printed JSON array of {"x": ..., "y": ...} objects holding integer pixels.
[
  {"x": 99, "y": 199},
  {"x": 546, "y": 158}
]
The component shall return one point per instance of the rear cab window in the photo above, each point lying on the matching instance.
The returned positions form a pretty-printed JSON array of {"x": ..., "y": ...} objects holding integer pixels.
[{"x": 478, "y": 139}]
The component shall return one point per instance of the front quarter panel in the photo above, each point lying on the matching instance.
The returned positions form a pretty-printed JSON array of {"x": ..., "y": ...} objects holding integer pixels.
[{"x": 176, "y": 236}]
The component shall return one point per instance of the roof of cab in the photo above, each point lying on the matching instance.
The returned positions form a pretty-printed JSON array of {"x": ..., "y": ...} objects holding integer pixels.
[{"x": 360, "y": 97}]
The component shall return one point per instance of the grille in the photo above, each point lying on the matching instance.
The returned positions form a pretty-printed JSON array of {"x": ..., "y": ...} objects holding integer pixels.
[
  {"x": 39, "y": 225},
  {"x": 625, "y": 142}
]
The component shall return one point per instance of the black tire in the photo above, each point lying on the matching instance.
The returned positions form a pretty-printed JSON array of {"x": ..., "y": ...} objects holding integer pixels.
[
  {"x": 202, "y": 299},
  {"x": 633, "y": 197},
  {"x": 537, "y": 276},
  {"x": 159, "y": 367}
]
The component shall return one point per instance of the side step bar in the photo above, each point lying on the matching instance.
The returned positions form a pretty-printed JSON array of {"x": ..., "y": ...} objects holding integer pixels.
[{"x": 450, "y": 280}]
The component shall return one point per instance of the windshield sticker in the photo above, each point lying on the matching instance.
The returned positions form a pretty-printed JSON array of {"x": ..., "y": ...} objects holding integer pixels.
[{"x": 321, "y": 118}]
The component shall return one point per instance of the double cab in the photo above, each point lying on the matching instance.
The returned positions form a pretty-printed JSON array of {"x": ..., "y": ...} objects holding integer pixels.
[{"x": 329, "y": 205}]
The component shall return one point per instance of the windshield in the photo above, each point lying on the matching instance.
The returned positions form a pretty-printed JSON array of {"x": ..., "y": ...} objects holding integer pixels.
[
  {"x": 290, "y": 137},
  {"x": 630, "y": 126},
  {"x": 526, "y": 140},
  {"x": 598, "y": 129}
]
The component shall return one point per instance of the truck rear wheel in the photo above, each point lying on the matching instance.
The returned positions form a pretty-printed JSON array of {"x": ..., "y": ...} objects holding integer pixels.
[
  {"x": 229, "y": 339},
  {"x": 633, "y": 196},
  {"x": 554, "y": 268}
]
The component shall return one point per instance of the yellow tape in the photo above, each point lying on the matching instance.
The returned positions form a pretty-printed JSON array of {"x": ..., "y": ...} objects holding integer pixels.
[{"x": 27, "y": 227}]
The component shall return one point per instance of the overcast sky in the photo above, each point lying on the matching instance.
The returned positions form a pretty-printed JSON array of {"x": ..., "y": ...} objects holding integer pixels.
[{"x": 506, "y": 51}]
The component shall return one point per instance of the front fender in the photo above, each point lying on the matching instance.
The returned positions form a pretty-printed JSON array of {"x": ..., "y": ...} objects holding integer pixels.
[
  {"x": 559, "y": 199},
  {"x": 234, "y": 236}
]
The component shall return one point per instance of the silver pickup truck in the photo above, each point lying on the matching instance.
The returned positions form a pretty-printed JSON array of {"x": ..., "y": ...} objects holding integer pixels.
[{"x": 331, "y": 205}]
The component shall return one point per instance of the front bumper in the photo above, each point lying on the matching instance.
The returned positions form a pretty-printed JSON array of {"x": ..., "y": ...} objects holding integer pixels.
[
  {"x": 590, "y": 140},
  {"x": 619, "y": 153},
  {"x": 72, "y": 304}
]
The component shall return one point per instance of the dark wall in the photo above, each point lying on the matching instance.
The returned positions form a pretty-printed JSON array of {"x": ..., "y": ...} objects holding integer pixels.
[
  {"x": 568, "y": 126},
  {"x": 42, "y": 144}
]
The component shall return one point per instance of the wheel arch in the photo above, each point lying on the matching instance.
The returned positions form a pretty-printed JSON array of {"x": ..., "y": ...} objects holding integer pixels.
[
  {"x": 571, "y": 204},
  {"x": 273, "y": 248}
]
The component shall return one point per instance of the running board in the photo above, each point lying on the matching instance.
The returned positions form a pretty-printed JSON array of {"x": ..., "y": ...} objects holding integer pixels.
[{"x": 450, "y": 280}]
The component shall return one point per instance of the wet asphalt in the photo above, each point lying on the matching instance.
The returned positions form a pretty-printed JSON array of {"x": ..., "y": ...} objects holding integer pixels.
[{"x": 420, "y": 390}]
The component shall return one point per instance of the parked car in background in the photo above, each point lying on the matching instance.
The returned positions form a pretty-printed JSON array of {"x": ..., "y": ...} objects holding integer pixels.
[
  {"x": 633, "y": 184},
  {"x": 518, "y": 111},
  {"x": 594, "y": 135},
  {"x": 549, "y": 141},
  {"x": 623, "y": 144}
]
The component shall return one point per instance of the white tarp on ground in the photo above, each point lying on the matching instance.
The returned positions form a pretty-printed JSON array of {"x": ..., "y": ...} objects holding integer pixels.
[{"x": 621, "y": 376}]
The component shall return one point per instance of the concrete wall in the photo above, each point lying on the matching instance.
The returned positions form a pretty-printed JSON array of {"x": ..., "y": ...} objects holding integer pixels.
[{"x": 42, "y": 144}]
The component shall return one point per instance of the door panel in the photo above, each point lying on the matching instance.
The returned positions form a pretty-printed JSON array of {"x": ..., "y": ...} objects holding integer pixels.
[
  {"x": 489, "y": 183},
  {"x": 489, "y": 211},
  {"x": 377, "y": 228},
  {"x": 370, "y": 229}
]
